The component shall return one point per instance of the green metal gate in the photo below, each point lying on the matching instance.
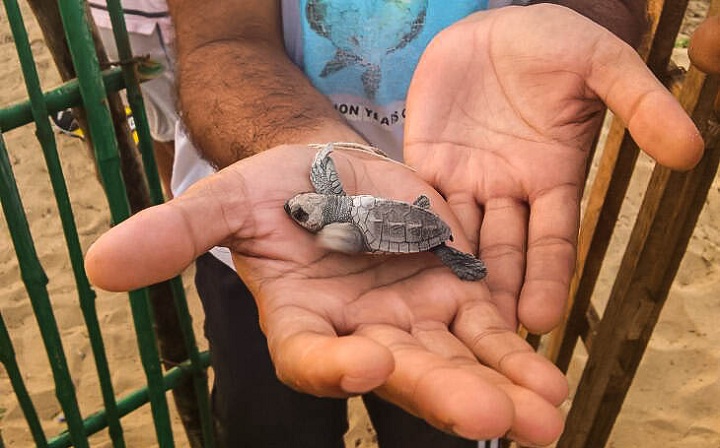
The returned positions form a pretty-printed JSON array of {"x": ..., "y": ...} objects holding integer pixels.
[{"x": 89, "y": 92}]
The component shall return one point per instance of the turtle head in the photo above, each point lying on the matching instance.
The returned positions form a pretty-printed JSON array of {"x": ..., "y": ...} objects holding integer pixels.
[{"x": 307, "y": 209}]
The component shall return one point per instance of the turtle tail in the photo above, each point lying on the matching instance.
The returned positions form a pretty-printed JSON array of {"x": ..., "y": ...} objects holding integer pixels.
[{"x": 464, "y": 265}]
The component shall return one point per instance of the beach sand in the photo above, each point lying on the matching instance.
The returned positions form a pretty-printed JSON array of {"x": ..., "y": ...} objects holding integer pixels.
[{"x": 673, "y": 400}]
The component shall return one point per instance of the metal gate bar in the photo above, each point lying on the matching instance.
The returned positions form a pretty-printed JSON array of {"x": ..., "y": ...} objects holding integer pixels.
[{"x": 89, "y": 91}]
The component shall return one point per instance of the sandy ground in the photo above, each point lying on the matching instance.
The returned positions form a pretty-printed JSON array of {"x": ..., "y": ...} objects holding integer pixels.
[{"x": 673, "y": 401}]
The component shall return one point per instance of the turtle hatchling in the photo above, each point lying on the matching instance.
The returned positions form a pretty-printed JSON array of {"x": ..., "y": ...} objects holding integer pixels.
[{"x": 365, "y": 223}]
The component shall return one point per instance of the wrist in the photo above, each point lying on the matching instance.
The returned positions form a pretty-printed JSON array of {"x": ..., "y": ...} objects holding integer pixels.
[{"x": 327, "y": 130}]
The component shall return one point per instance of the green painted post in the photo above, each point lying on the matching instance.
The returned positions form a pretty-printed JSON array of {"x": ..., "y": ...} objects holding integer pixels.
[
  {"x": 134, "y": 400},
  {"x": 88, "y": 90},
  {"x": 86, "y": 294},
  {"x": 60, "y": 98},
  {"x": 35, "y": 281},
  {"x": 7, "y": 358},
  {"x": 199, "y": 374},
  {"x": 86, "y": 64},
  {"x": 135, "y": 99}
]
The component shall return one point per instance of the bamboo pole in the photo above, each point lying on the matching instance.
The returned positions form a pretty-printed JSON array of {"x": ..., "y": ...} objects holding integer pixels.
[
  {"x": 608, "y": 191},
  {"x": 658, "y": 242}
]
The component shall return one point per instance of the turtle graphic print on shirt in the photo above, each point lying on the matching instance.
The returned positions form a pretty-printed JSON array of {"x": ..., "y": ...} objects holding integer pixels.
[
  {"x": 395, "y": 25},
  {"x": 370, "y": 47},
  {"x": 362, "y": 54}
]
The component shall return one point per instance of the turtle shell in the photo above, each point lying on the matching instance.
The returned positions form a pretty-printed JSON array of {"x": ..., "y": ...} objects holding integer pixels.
[{"x": 396, "y": 226}]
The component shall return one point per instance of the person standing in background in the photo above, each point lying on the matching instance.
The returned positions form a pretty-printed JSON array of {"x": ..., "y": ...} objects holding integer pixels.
[{"x": 151, "y": 33}]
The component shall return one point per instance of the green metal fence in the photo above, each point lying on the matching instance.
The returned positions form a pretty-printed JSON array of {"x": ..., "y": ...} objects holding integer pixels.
[{"x": 88, "y": 91}]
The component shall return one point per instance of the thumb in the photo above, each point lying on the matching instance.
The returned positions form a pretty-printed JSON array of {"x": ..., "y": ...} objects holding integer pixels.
[
  {"x": 160, "y": 242},
  {"x": 653, "y": 116},
  {"x": 704, "y": 50}
]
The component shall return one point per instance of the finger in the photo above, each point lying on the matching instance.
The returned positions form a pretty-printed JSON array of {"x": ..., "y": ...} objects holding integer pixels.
[
  {"x": 704, "y": 49},
  {"x": 435, "y": 389},
  {"x": 309, "y": 356},
  {"x": 552, "y": 242},
  {"x": 436, "y": 337},
  {"x": 496, "y": 345},
  {"x": 536, "y": 421},
  {"x": 502, "y": 247},
  {"x": 159, "y": 242},
  {"x": 655, "y": 119},
  {"x": 468, "y": 213},
  {"x": 228, "y": 207}
]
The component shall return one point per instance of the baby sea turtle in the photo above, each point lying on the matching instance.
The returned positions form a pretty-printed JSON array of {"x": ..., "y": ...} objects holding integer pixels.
[{"x": 364, "y": 223}]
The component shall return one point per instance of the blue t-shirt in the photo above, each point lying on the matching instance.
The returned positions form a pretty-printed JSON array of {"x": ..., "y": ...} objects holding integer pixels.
[{"x": 362, "y": 54}]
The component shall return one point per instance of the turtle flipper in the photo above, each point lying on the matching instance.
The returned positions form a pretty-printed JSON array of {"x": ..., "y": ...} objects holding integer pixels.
[
  {"x": 371, "y": 80},
  {"x": 342, "y": 237},
  {"x": 465, "y": 266},
  {"x": 323, "y": 173},
  {"x": 422, "y": 201},
  {"x": 342, "y": 59}
]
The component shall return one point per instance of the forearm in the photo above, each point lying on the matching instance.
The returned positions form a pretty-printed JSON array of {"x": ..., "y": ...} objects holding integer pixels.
[
  {"x": 239, "y": 92},
  {"x": 240, "y": 98},
  {"x": 627, "y": 19}
]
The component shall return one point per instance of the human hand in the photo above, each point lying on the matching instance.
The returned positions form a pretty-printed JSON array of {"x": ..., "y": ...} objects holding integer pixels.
[
  {"x": 704, "y": 49},
  {"x": 501, "y": 113},
  {"x": 402, "y": 325}
]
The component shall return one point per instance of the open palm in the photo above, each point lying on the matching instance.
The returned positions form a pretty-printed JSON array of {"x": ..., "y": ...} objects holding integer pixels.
[
  {"x": 502, "y": 111},
  {"x": 401, "y": 325}
]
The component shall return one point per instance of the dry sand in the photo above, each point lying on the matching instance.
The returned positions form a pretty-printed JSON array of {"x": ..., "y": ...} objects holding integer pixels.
[{"x": 673, "y": 401}]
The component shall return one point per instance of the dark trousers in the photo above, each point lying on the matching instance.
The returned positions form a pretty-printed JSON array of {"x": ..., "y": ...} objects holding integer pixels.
[{"x": 254, "y": 409}]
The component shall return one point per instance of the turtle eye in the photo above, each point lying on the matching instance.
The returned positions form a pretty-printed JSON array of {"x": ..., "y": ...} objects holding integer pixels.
[{"x": 300, "y": 215}]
